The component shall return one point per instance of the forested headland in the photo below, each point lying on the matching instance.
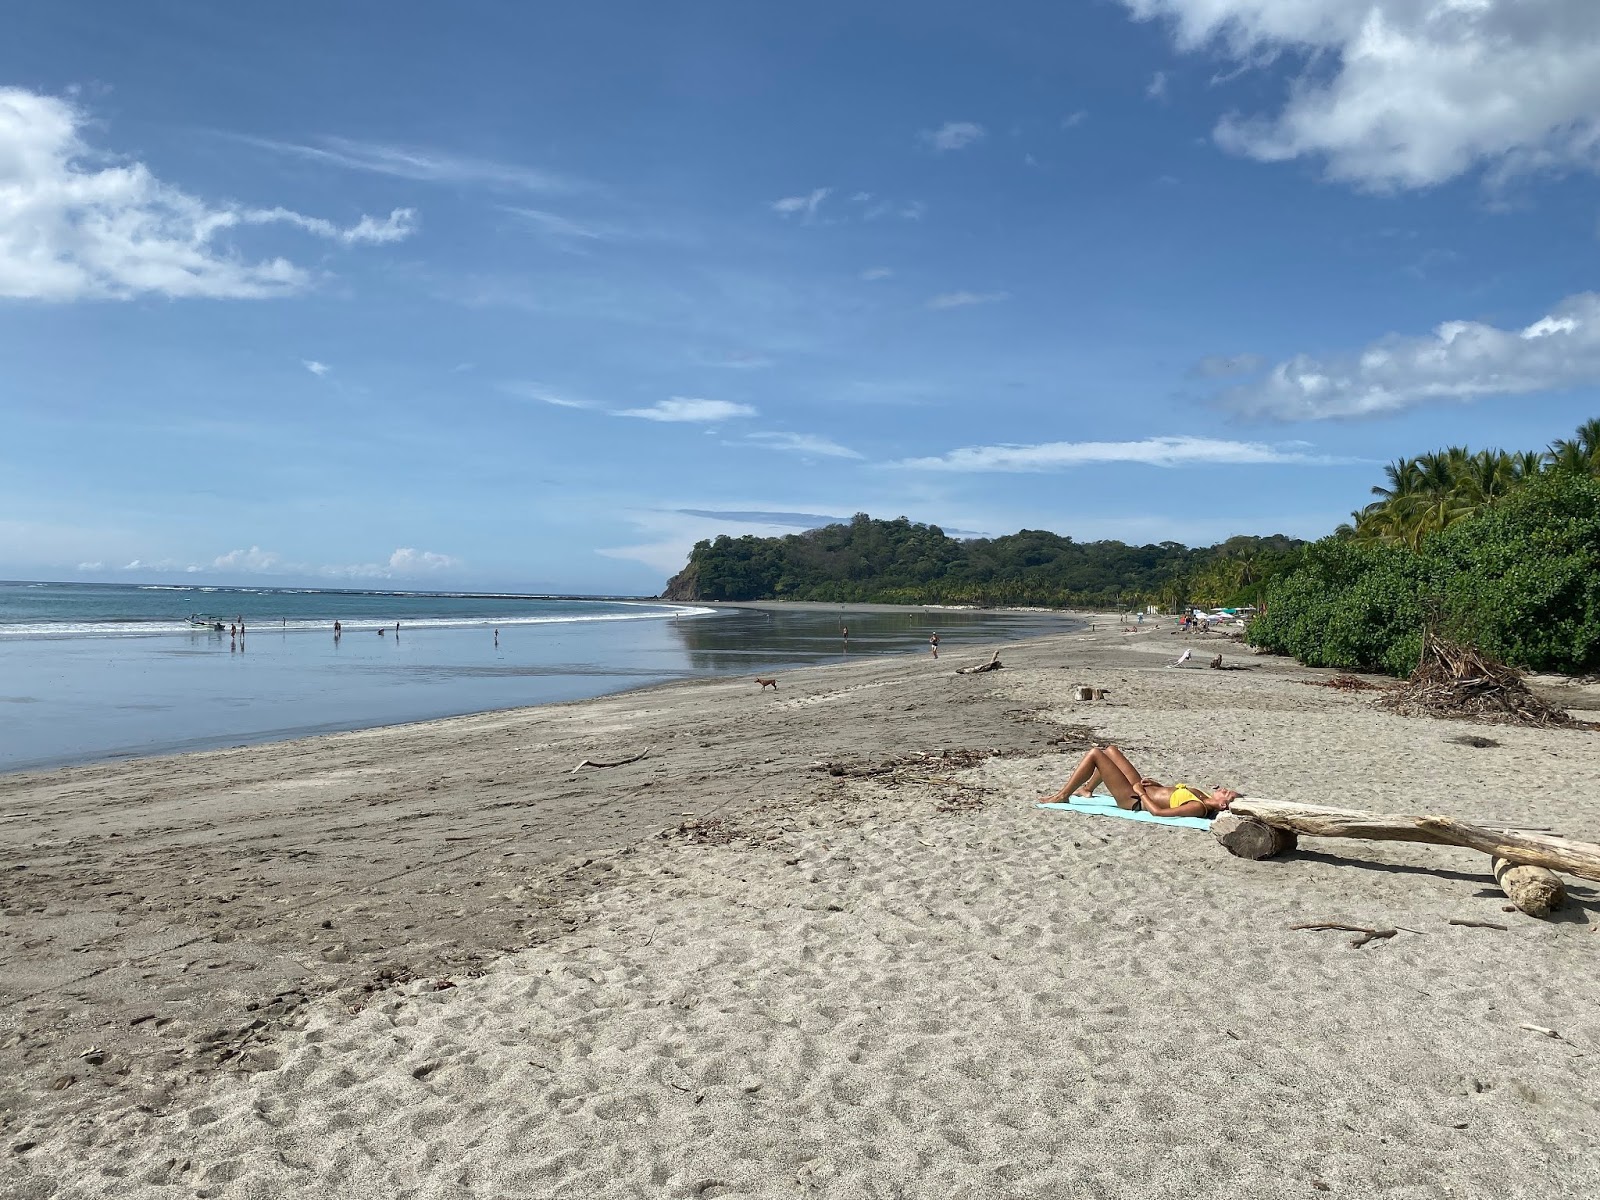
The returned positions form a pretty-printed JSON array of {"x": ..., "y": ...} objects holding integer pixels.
[
  {"x": 1500, "y": 549},
  {"x": 903, "y": 562}
]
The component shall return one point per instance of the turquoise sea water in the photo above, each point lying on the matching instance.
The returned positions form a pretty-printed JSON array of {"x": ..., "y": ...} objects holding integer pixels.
[{"x": 91, "y": 672}]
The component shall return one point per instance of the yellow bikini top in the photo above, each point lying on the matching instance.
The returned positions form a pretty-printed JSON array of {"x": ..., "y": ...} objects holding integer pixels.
[{"x": 1182, "y": 795}]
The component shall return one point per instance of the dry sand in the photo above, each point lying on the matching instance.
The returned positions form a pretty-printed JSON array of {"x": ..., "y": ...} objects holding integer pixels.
[{"x": 880, "y": 983}]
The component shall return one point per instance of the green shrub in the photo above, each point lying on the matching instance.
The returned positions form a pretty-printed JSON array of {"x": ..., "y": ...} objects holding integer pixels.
[{"x": 1520, "y": 580}]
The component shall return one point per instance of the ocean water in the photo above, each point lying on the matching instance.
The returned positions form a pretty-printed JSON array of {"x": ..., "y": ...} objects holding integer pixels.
[{"x": 90, "y": 672}]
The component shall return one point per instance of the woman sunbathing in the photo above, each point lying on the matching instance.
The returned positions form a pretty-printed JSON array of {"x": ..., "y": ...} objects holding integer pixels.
[{"x": 1108, "y": 765}]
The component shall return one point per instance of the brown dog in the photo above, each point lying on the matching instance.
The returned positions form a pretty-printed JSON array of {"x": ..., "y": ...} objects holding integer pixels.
[{"x": 768, "y": 683}]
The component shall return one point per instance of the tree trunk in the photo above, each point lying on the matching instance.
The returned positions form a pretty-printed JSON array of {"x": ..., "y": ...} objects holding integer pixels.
[
  {"x": 1534, "y": 890},
  {"x": 1533, "y": 849},
  {"x": 1250, "y": 838}
]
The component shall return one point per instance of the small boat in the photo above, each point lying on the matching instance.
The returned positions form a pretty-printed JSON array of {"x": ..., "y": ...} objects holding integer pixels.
[{"x": 204, "y": 622}]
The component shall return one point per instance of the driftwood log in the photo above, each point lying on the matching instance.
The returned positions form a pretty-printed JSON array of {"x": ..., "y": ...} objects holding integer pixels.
[
  {"x": 1250, "y": 838},
  {"x": 1534, "y": 890},
  {"x": 1516, "y": 846}
]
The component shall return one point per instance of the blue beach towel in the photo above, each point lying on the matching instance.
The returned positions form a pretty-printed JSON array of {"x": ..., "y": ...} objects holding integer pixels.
[{"x": 1105, "y": 806}]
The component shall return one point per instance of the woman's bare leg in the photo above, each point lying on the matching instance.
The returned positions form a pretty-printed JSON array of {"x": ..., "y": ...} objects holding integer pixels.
[
  {"x": 1088, "y": 768},
  {"x": 1106, "y": 765}
]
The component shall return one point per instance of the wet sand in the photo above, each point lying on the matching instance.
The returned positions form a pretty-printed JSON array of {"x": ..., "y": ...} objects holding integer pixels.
[{"x": 433, "y": 960}]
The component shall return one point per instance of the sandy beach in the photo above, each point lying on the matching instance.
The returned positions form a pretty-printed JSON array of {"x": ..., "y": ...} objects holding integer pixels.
[{"x": 815, "y": 942}]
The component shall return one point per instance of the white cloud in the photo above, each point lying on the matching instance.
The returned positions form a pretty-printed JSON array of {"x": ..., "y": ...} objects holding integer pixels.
[
  {"x": 91, "y": 566},
  {"x": 1156, "y": 89},
  {"x": 1073, "y": 119},
  {"x": 407, "y": 561},
  {"x": 1410, "y": 93},
  {"x": 76, "y": 225},
  {"x": 1155, "y": 452},
  {"x": 1459, "y": 360},
  {"x": 871, "y": 274},
  {"x": 805, "y": 207},
  {"x": 954, "y": 135},
  {"x": 964, "y": 299},
  {"x": 318, "y": 369},
  {"x": 254, "y": 559},
  {"x": 803, "y": 443},
  {"x": 397, "y": 226},
  {"x": 683, "y": 408},
  {"x": 424, "y": 164}
]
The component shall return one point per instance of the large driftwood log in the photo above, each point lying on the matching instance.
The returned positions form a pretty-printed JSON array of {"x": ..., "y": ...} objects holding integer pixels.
[
  {"x": 1519, "y": 847},
  {"x": 1250, "y": 838},
  {"x": 1534, "y": 890}
]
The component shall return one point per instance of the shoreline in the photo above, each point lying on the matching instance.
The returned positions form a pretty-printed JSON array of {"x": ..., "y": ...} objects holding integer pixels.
[
  {"x": 264, "y": 931},
  {"x": 79, "y": 702}
]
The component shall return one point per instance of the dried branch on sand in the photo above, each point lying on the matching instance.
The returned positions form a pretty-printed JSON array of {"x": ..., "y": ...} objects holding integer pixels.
[
  {"x": 1455, "y": 680},
  {"x": 1343, "y": 683}
]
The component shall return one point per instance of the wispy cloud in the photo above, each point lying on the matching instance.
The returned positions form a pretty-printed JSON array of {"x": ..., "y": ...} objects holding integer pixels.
[
  {"x": 873, "y": 207},
  {"x": 69, "y": 231},
  {"x": 1459, "y": 360},
  {"x": 964, "y": 299},
  {"x": 423, "y": 164},
  {"x": 805, "y": 207},
  {"x": 802, "y": 443},
  {"x": 954, "y": 135},
  {"x": 1073, "y": 119},
  {"x": 737, "y": 360},
  {"x": 1155, "y": 452},
  {"x": 1156, "y": 89},
  {"x": 560, "y": 228},
  {"x": 318, "y": 369},
  {"x": 685, "y": 408},
  {"x": 537, "y": 391},
  {"x": 872, "y": 274},
  {"x": 799, "y": 520}
]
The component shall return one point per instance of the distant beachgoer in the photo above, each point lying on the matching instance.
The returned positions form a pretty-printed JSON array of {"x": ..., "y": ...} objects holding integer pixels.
[
  {"x": 382, "y": 631},
  {"x": 233, "y": 631},
  {"x": 497, "y": 638},
  {"x": 397, "y": 628},
  {"x": 933, "y": 643},
  {"x": 845, "y": 629},
  {"x": 1107, "y": 765},
  {"x": 337, "y": 629}
]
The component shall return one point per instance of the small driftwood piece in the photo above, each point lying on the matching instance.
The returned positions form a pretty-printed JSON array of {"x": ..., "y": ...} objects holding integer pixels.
[
  {"x": 1532, "y": 849},
  {"x": 621, "y": 762},
  {"x": 1476, "y": 924},
  {"x": 1247, "y": 837},
  {"x": 1534, "y": 890},
  {"x": 1367, "y": 933},
  {"x": 994, "y": 664}
]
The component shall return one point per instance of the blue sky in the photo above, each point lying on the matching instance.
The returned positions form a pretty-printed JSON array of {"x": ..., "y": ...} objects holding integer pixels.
[{"x": 535, "y": 296}]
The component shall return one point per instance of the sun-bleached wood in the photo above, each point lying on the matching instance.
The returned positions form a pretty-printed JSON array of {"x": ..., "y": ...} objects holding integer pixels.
[
  {"x": 1534, "y": 890},
  {"x": 1516, "y": 846},
  {"x": 1247, "y": 837}
]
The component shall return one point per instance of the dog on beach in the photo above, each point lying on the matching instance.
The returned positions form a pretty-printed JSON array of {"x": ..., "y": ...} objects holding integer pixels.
[{"x": 767, "y": 683}]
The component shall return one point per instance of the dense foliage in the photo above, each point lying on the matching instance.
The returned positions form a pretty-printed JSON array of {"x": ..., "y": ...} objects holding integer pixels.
[
  {"x": 1519, "y": 577},
  {"x": 900, "y": 562},
  {"x": 1429, "y": 493}
]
